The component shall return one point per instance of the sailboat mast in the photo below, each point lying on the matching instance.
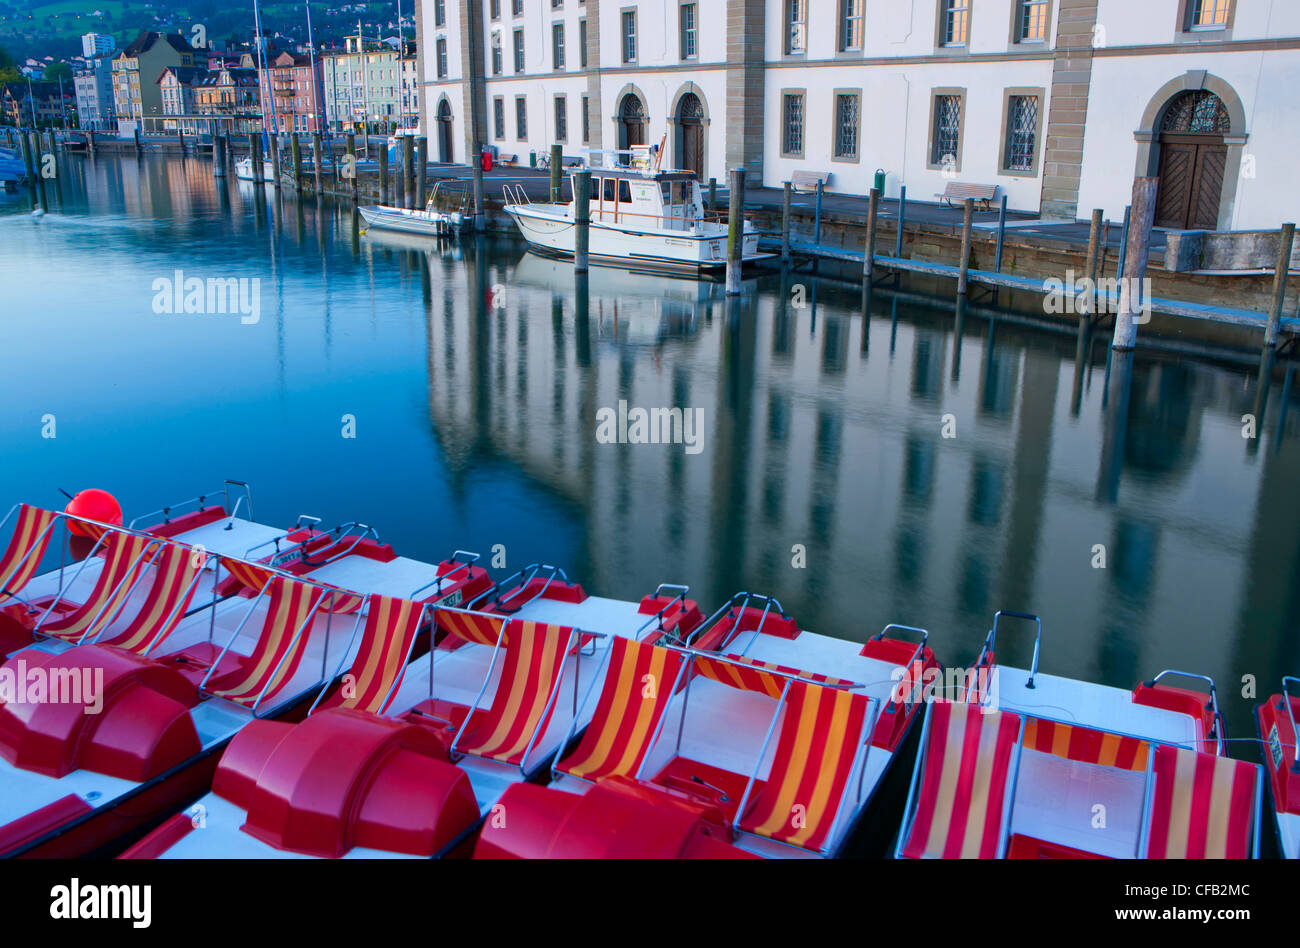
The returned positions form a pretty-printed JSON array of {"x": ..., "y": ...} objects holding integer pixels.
[{"x": 261, "y": 77}]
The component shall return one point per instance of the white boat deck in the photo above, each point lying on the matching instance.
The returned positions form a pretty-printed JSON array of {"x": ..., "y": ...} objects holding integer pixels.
[
  {"x": 1288, "y": 832},
  {"x": 1100, "y": 707},
  {"x": 1056, "y": 801}
]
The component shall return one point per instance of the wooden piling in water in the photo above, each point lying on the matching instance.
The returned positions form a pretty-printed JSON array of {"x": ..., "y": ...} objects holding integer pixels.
[
  {"x": 1136, "y": 256},
  {"x": 255, "y": 157},
  {"x": 735, "y": 231},
  {"x": 218, "y": 157},
  {"x": 138, "y": 146},
  {"x": 275, "y": 161},
  {"x": 713, "y": 194},
  {"x": 317, "y": 160},
  {"x": 1090, "y": 267},
  {"x": 27, "y": 157},
  {"x": 1002, "y": 235},
  {"x": 90, "y": 142},
  {"x": 408, "y": 170},
  {"x": 421, "y": 170},
  {"x": 1287, "y": 242},
  {"x": 352, "y": 163},
  {"x": 582, "y": 220},
  {"x": 817, "y": 214},
  {"x": 785, "y": 221},
  {"x": 963, "y": 275},
  {"x": 383, "y": 176},
  {"x": 180, "y": 139},
  {"x": 869, "y": 257},
  {"x": 476, "y": 164},
  {"x": 295, "y": 148},
  {"x": 902, "y": 217},
  {"x": 557, "y": 160}
]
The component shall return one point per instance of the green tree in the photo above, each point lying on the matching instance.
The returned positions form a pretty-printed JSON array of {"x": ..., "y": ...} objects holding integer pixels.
[
  {"x": 56, "y": 70},
  {"x": 8, "y": 71}
]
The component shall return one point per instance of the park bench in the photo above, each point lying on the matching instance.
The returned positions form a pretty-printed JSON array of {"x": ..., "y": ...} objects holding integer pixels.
[
  {"x": 807, "y": 180},
  {"x": 958, "y": 191}
]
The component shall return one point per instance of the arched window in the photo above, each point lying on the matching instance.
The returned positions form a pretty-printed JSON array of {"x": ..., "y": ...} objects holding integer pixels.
[{"x": 1196, "y": 113}]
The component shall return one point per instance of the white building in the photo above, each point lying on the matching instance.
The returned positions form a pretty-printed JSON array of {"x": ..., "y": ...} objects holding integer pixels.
[
  {"x": 1061, "y": 103},
  {"x": 94, "y": 87},
  {"x": 97, "y": 44}
]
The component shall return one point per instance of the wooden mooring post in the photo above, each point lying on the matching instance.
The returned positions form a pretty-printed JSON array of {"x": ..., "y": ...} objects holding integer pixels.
[
  {"x": 735, "y": 231},
  {"x": 218, "y": 157},
  {"x": 817, "y": 214},
  {"x": 1002, "y": 235},
  {"x": 713, "y": 194},
  {"x": 317, "y": 160},
  {"x": 352, "y": 164},
  {"x": 295, "y": 148},
  {"x": 963, "y": 274},
  {"x": 421, "y": 169},
  {"x": 408, "y": 170},
  {"x": 275, "y": 161},
  {"x": 1285, "y": 245},
  {"x": 1136, "y": 256},
  {"x": 383, "y": 175},
  {"x": 476, "y": 165},
  {"x": 581, "y": 219},
  {"x": 1094, "y": 239},
  {"x": 785, "y": 222},
  {"x": 557, "y": 160},
  {"x": 138, "y": 146},
  {"x": 869, "y": 258},
  {"x": 255, "y": 155}
]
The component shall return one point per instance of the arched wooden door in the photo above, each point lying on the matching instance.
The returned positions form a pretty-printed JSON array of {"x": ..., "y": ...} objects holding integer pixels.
[
  {"x": 631, "y": 124},
  {"x": 1193, "y": 160},
  {"x": 444, "y": 131},
  {"x": 690, "y": 135}
]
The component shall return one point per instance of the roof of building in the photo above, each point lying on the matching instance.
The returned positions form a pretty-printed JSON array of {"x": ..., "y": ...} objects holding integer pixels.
[{"x": 148, "y": 39}]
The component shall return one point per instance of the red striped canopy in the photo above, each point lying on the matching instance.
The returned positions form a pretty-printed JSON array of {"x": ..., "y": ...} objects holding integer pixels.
[
  {"x": 276, "y": 656},
  {"x": 819, "y": 741},
  {"x": 534, "y": 658},
  {"x": 964, "y": 783},
  {"x": 1203, "y": 806},
  {"x": 30, "y": 538},
  {"x": 124, "y": 558},
  {"x": 170, "y": 595},
  {"x": 637, "y": 688}
]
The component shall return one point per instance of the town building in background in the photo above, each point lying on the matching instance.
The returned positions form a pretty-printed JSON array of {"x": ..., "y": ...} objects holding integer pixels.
[
  {"x": 93, "y": 87},
  {"x": 41, "y": 104},
  {"x": 137, "y": 96},
  {"x": 226, "y": 102},
  {"x": 177, "y": 86},
  {"x": 1059, "y": 103},
  {"x": 294, "y": 93},
  {"x": 97, "y": 44},
  {"x": 363, "y": 84}
]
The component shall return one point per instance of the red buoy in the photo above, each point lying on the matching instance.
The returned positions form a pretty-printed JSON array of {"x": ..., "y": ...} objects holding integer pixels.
[{"x": 93, "y": 504}]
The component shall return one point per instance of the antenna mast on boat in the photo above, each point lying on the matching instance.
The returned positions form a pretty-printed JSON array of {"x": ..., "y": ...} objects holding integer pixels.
[
  {"x": 257, "y": 21},
  {"x": 316, "y": 79}
]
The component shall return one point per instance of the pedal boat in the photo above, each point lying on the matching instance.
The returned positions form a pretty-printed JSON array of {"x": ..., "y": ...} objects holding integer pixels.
[
  {"x": 175, "y": 686},
  {"x": 415, "y": 758},
  {"x": 1030, "y": 765},
  {"x": 746, "y": 754},
  {"x": 1276, "y": 721}
]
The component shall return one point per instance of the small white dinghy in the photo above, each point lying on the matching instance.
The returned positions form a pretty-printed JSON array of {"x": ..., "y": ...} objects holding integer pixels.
[
  {"x": 244, "y": 170},
  {"x": 429, "y": 222},
  {"x": 641, "y": 217}
]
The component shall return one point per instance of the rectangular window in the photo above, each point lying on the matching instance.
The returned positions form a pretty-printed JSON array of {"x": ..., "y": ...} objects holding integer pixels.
[
  {"x": 517, "y": 7},
  {"x": 629, "y": 36},
  {"x": 582, "y": 43},
  {"x": 1032, "y": 25},
  {"x": 442, "y": 57},
  {"x": 945, "y": 137},
  {"x": 792, "y": 124},
  {"x": 521, "y": 117},
  {"x": 624, "y": 192},
  {"x": 851, "y": 24},
  {"x": 556, "y": 4},
  {"x": 499, "y": 117},
  {"x": 557, "y": 45},
  {"x": 519, "y": 50},
  {"x": 586, "y": 121},
  {"x": 561, "y": 119},
  {"x": 439, "y": 12},
  {"x": 796, "y": 26},
  {"x": 1209, "y": 14},
  {"x": 1021, "y": 149},
  {"x": 687, "y": 23},
  {"x": 846, "y": 125},
  {"x": 496, "y": 55},
  {"x": 956, "y": 22},
  {"x": 607, "y": 189},
  {"x": 494, "y": 9}
]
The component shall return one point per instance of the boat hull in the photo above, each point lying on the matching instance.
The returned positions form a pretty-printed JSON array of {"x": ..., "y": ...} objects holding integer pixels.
[
  {"x": 422, "y": 223},
  {"x": 609, "y": 244}
]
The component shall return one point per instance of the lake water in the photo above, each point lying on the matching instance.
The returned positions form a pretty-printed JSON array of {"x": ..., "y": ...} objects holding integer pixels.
[{"x": 473, "y": 379}]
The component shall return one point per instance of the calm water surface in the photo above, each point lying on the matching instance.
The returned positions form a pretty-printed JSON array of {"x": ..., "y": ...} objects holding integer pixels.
[{"x": 474, "y": 378}]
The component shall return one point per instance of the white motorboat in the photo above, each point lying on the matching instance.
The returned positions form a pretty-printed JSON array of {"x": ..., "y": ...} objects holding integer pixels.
[
  {"x": 430, "y": 222},
  {"x": 641, "y": 217},
  {"x": 244, "y": 170}
]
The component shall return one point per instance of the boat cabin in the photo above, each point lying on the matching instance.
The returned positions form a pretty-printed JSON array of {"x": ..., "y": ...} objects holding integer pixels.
[{"x": 668, "y": 199}]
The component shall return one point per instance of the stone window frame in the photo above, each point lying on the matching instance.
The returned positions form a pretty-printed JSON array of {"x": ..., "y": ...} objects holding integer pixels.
[
  {"x": 1184, "y": 32},
  {"x": 856, "y": 157},
  {"x": 1037, "y": 169},
  {"x": 1046, "y": 43},
  {"x": 940, "y": 29},
  {"x": 961, "y": 93},
  {"x": 803, "y": 134}
]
